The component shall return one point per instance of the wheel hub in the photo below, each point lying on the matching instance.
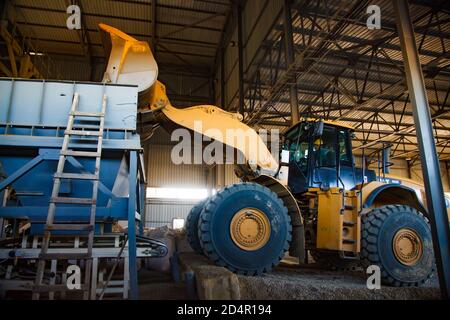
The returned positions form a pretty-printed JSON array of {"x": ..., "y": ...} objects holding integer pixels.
[
  {"x": 250, "y": 229},
  {"x": 407, "y": 246}
]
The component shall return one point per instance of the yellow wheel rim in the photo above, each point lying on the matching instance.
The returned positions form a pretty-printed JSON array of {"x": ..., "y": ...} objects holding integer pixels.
[
  {"x": 250, "y": 229},
  {"x": 407, "y": 246}
]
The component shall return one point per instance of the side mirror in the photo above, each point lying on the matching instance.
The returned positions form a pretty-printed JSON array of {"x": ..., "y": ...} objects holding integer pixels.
[{"x": 318, "y": 129}]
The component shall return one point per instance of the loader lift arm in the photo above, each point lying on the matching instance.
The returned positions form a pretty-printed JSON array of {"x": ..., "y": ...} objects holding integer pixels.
[{"x": 132, "y": 62}]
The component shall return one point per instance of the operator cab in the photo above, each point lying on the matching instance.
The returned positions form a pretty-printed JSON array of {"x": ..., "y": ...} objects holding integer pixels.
[{"x": 320, "y": 156}]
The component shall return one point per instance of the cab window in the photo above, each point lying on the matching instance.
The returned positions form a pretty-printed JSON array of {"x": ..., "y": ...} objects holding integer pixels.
[
  {"x": 298, "y": 144},
  {"x": 344, "y": 147},
  {"x": 326, "y": 148},
  {"x": 329, "y": 145}
]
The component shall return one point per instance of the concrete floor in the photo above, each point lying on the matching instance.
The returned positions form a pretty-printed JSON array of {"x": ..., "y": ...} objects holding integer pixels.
[{"x": 154, "y": 285}]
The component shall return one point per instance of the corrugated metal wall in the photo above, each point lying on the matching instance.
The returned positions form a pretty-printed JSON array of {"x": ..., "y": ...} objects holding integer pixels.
[
  {"x": 161, "y": 212},
  {"x": 400, "y": 168},
  {"x": 416, "y": 174},
  {"x": 224, "y": 174},
  {"x": 162, "y": 172}
]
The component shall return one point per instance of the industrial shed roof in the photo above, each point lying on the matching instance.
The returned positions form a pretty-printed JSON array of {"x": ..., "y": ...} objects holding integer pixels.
[
  {"x": 349, "y": 73},
  {"x": 45, "y": 21}
]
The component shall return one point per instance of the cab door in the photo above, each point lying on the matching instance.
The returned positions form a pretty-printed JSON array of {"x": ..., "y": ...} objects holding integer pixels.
[{"x": 333, "y": 165}]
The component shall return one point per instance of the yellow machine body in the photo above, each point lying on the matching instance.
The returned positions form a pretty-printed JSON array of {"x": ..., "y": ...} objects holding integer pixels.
[{"x": 339, "y": 222}]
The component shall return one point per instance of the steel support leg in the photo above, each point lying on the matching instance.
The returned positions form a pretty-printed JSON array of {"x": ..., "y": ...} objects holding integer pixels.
[
  {"x": 3, "y": 10},
  {"x": 142, "y": 212},
  {"x": 447, "y": 174},
  {"x": 134, "y": 295},
  {"x": 289, "y": 54},
  {"x": 20, "y": 172},
  {"x": 222, "y": 79},
  {"x": 429, "y": 160},
  {"x": 238, "y": 14},
  {"x": 154, "y": 17}
]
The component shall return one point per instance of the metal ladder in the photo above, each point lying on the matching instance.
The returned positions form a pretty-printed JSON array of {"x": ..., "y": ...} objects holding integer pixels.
[{"x": 40, "y": 287}]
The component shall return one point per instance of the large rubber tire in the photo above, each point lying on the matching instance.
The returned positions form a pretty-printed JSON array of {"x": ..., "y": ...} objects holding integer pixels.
[
  {"x": 331, "y": 260},
  {"x": 192, "y": 227},
  {"x": 215, "y": 235},
  {"x": 379, "y": 228}
]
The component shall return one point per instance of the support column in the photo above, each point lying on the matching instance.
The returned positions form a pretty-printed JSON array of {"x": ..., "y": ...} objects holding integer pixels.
[
  {"x": 289, "y": 56},
  {"x": 132, "y": 179},
  {"x": 428, "y": 155},
  {"x": 238, "y": 15},
  {"x": 222, "y": 78},
  {"x": 3, "y": 10},
  {"x": 447, "y": 173},
  {"x": 153, "y": 43},
  {"x": 408, "y": 167}
]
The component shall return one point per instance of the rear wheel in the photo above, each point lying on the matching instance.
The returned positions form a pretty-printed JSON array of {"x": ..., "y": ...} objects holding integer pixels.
[
  {"x": 245, "y": 228},
  {"x": 192, "y": 227},
  {"x": 397, "y": 238}
]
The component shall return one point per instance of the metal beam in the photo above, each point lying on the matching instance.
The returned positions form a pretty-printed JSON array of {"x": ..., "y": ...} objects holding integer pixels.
[
  {"x": 84, "y": 39},
  {"x": 141, "y": 36},
  {"x": 388, "y": 25},
  {"x": 20, "y": 172},
  {"x": 154, "y": 40},
  {"x": 289, "y": 56},
  {"x": 447, "y": 173},
  {"x": 3, "y": 10},
  {"x": 429, "y": 159},
  {"x": 222, "y": 79},
  {"x": 299, "y": 66},
  {"x": 238, "y": 14},
  {"x": 178, "y": 8},
  {"x": 132, "y": 178},
  {"x": 118, "y": 17}
]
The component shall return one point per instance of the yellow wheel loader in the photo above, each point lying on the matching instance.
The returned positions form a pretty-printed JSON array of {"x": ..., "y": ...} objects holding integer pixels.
[{"x": 314, "y": 200}]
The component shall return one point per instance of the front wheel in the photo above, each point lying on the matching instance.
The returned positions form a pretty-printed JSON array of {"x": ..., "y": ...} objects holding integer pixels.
[
  {"x": 245, "y": 228},
  {"x": 397, "y": 238}
]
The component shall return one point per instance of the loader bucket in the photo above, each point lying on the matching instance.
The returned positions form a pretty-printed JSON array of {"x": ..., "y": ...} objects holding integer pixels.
[{"x": 130, "y": 61}]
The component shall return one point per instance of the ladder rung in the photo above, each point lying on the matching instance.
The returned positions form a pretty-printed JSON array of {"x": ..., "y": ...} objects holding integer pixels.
[
  {"x": 348, "y": 241},
  {"x": 72, "y": 200},
  {"x": 79, "y": 176},
  {"x": 70, "y": 226},
  {"x": 83, "y": 133},
  {"x": 348, "y": 207},
  {"x": 73, "y": 153},
  {"x": 57, "y": 288},
  {"x": 86, "y": 126},
  {"x": 348, "y": 224},
  {"x": 88, "y": 114},
  {"x": 64, "y": 256}
]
